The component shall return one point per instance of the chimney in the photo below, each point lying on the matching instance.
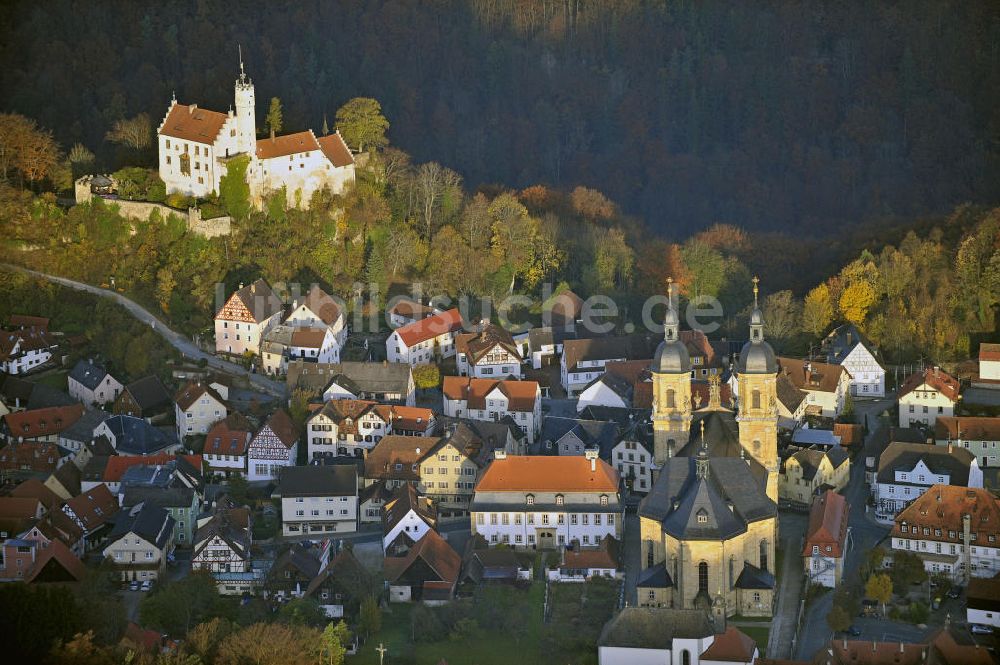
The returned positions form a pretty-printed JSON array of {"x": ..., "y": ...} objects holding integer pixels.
[
  {"x": 192, "y": 108},
  {"x": 592, "y": 456},
  {"x": 901, "y": 647},
  {"x": 499, "y": 454}
]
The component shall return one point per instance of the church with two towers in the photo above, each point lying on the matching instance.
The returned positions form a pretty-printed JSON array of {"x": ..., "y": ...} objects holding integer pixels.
[{"x": 710, "y": 523}]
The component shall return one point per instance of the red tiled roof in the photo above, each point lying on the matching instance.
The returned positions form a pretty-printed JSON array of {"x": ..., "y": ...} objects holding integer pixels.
[
  {"x": 827, "y": 525},
  {"x": 546, "y": 473},
  {"x": 28, "y": 321},
  {"x": 229, "y": 436},
  {"x": 850, "y": 433},
  {"x": 431, "y": 327},
  {"x": 938, "y": 380},
  {"x": 31, "y": 339},
  {"x": 411, "y": 309},
  {"x": 941, "y": 508},
  {"x": 967, "y": 428},
  {"x": 520, "y": 395},
  {"x": 336, "y": 150},
  {"x": 190, "y": 392},
  {"x": 310, "y": 338},
  {"x": 31, "y": 455},
  {"x": 36, "y": 489},
  {"x": 322, "y": 304},
  {"x": 434, "y": 551},
  {"x": 42, "y": 422},
  {"x": 119, "y": 464},
  {"x": 405, "y": 451},
  {"x": 811, "y": 374},
  {"x": 731, "y": 646},
  {"x": 63, "y": 556},
  {"x": 94, "y": 507},
  {"x": 193, "y": 124},
  {"x": 289, "y": 144},
  {"x": 989, "y": 352},
  {"x": 281, "y": 424}
]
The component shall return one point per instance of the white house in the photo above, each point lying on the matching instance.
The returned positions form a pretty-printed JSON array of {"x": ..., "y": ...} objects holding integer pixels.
[
  {"x": 954, "y": 530},
  {"x": 226, "y": 444},
  {"x": 241, "y": 322},
  {"x": 195, "y": 147},
  {"x": 353, "y": 427},
  {"x": 24, "y": 350},
  {"x": 528, "y": 501},
  {"x": 140, "y": 542},
  {"x": 405, "y": 519},
  {"x": 426, "y": 340},
  {"x": 222, "y": 547},
  {"x": 989, "y": 366},
  {"x": 198, "y": 406},
  {"x": 92, "y": 384},
  {"x": 273, "y": 447},
  {"x": 846, "y": 346},
  {"x": 907, "y": 470},
  {"x": 319, "y": 309},
  {"x": 982, "y": 598},
  {"x": 826, "y": 539},
  {"x": 489, "y": 353},
  {"x": 584, "y": 360},
  {"x": 485, "y": 399},
  {"x": 283, "y": 344},
  {"x": 634, "y": 463},
  {"x": 666, "y": 636},
  {"x": 825, "y": 386},
  {"x": 404, "y": 311},
  {"x": 926, "y": 395},
  {"x": 318, "y": 500},
  {"x": 977, "y": 434}
]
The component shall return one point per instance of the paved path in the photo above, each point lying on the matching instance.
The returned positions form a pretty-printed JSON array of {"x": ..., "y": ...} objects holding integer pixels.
[
  {"x": 178, "y": 341},
  {"x": 779, "y": 643},
  {"x": 633, "y": 556}
]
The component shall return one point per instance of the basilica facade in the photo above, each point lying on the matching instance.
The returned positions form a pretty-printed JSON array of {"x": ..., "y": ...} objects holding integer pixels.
[{"x": 709, "y": 525}]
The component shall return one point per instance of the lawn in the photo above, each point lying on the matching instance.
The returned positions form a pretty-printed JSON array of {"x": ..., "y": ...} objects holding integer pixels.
[
  {"x": 759, "y": 634},
  {"x": 55, "y": 380},
  {"x": 502, "y": 626}
]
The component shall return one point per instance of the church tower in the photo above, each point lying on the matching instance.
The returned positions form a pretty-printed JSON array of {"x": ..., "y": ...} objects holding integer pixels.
[
  {"x": 671, "y": 371},
  {"x": 757, "y": 379},
  {"x": 246, "y": 119}
]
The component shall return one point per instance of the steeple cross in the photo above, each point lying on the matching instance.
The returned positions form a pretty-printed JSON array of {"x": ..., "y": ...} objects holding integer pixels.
[{"x": 756, "y": 289}]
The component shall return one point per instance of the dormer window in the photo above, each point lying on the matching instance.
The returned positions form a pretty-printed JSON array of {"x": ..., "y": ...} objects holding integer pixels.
[
  {"x": 604, "y": 499},
  {"x": 560, "y": 499},
  {"x": 702, "y": 517},
  {"x": 530, "y": 499}
]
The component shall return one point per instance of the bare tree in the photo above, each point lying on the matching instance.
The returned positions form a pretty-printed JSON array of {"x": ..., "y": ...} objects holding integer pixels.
[{"x": 134, "y": 132}]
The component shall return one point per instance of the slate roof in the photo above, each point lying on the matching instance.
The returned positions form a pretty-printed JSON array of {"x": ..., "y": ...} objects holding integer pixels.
[
  {"x": 135, "y": 436},
  {"x": 405, "y": 499},
  {"x": 164, "y": 497},
  {"x": 628, "y": 347},
  {"x": 655, "y": 577},
  {"x": 601, "y": 435},
  {"x": 654, "y": 628},
  {"x": 148, "y": 392},
  {"x": 679, "y": 498},
  {"x": 347, "y": 570},
  {"x": 955, "y": 462},
  {"x": 752, "y": 577},
  {"x": 841, "y": 341},
  {"x": 358, "y": 377},
  {"x": 723, "y": 437},
  {"x": 788, "y": 394},
  {"x": 477, "y": 440},
  {"x": 151, "y": 523},
  {"x": 305, "y": 481},
  {"x": 82, "y": 430},
  {"x": 88, "y": 373},
  {"x": 434, "y": 551}
]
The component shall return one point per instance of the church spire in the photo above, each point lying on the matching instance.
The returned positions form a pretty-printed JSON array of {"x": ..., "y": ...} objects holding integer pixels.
[
  {"x": 671, "y": 323},
  {"x": 756, "y": 316},
  {"x": 701, "y": 462}
]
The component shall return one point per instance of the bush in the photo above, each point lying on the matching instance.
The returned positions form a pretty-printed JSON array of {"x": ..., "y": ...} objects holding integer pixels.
[
  {"x": 178, "y": 200},
  {"x": 919, "y": 613}
]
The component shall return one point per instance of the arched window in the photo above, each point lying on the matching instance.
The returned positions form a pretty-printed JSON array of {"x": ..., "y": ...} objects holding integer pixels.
[
  {"x": 703, "y": 576},
  {"x": 685, "y": 657},
  {"x": 530, "y": 499},
  {"x": 763, "y": 555},
  {"x": 560, "y": 499},
  {"x": 671, "y": 399},
  {"x": 755, "y": 399}
]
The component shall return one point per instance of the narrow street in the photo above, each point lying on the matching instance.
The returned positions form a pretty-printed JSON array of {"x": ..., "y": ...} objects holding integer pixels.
[
  {"x": 633, "y": 556},
  {"x": 185, "y": 346}
]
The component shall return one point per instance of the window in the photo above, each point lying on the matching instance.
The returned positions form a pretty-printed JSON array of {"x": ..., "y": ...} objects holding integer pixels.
[
  {"x": 703, "y": 577},
  {"x": 530, "y": 499},
  {"x": 560, "y": 499},
  {"x": 671, "y": 399},
  {"x": 755, "y": 399},
  {"x": 604, "y": 499}
]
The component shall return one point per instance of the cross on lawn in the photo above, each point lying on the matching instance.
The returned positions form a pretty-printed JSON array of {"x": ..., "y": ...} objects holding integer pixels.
[{"x": 381, "y": 652}]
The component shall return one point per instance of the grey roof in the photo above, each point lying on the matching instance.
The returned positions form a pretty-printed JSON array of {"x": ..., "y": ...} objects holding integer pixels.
[
  {"x": 148, "y": 475},
  {"x": 148, "y": 392},
  {"x": 32, "y": 395},
  {"x": 899, "y": 456},
  {"x": 339, "y": 480},
  {"x": 359, "y": 378},
  {"x": 815, "y": 437},
  {"x": 135, "y": 436},
  {"x": 757, "y": 357},
  {"x": 164, "y": 497},
  {"x": 790, "y": 396},
  {"x": 723, "y": 437},
  {"x": 592, "y": 433},
  {"x": 539, "y": 337},
  {"x": 303, "y": 557},
  {"x": 656, "y": 577},
  {"x": 752, "y": 577},
  {"x": 83, "y": 429},
  {"x": 88, "y": 373},
  {"x": 654, "y": 628},
  {"x": 842, "y": 340},
  {"x": 672, "y": 357},
  {"x": 727, "y": 500},
  {"x": 151, "y": 523}
]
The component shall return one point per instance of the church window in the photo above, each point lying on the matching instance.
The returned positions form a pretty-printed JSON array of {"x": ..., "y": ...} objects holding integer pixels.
[
  {"x": 703, "y": 577},
  {"x": 755, "y": 400},
  {"x": 763, "y": 555},
  {"x": 732, "y": 572},
  {"x": 671, "y": 399},
  {"x": 649, "y": 554},
  {"x": 685, "y": 657}
]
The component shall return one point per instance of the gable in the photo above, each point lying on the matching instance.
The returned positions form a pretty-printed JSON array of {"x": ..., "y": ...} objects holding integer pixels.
[{"x": 235, "y": 310}]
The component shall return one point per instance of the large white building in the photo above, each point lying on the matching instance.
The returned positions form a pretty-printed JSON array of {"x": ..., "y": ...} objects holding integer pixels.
[
  {"x": 318, "y": 499},
  {"x": 484, "y": 399},
  {"x": 353, "y": 427},
  {"x": 424, "y": 341},
  {"x": 907, "y": 470},
  {"x": 195, "y": 146},
  {"x": 244, "y": 319},
  {"x": 531, "y": 502}
]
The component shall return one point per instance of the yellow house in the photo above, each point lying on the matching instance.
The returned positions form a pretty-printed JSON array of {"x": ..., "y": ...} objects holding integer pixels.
[{"x": 806, "y": 471}]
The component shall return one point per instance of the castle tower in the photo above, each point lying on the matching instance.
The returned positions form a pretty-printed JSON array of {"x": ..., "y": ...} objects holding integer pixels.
[
  {"x": 246, "y": 118},
  {"x": 671, "y": 371},
  {"x": 757, "y": 378}
]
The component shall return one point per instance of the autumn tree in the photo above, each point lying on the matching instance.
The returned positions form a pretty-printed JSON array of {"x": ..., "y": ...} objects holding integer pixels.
[
  {"x": 26, "y": 148},
  {"x": 817, "y": 311},
  {"x": 725, "y": 238},
  {"x": 879, "y": 588},
  {"x": 427, "y": 376},
  {"x": 706, "y": 269},
  {"x": 782, "y": 315},
  {"x": 204, "y": 639},
  {"x": 270, "y": 644},
  {"x": 333, "y": 640},
  {"x": 135, "y": 133},
  {"x": 369, "y": 617},
  {"x": 361, "y": 123},
  {"x": 273, "y": 120},
  {"x": 591, "y": 204}
]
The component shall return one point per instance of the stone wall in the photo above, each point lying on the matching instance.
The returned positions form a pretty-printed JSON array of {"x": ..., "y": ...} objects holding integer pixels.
[{"x": 141, "y": 210}]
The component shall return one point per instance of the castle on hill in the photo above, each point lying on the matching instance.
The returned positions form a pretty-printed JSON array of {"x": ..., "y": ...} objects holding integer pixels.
[{"x": 196, "y": 145}]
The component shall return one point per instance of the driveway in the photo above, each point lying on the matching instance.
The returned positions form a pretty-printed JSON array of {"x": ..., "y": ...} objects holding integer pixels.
[{"x": 186, "y": 347}]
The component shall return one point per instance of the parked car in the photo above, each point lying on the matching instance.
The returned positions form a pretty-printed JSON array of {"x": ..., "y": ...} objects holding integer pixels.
[
  {"x": 980, "y": 629},
  {"x": 853, "y": 631},
  {"x": 146, "y": 586},
  {"x": 955, "y": 592},
  {"x": 134, "y": 585}
]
